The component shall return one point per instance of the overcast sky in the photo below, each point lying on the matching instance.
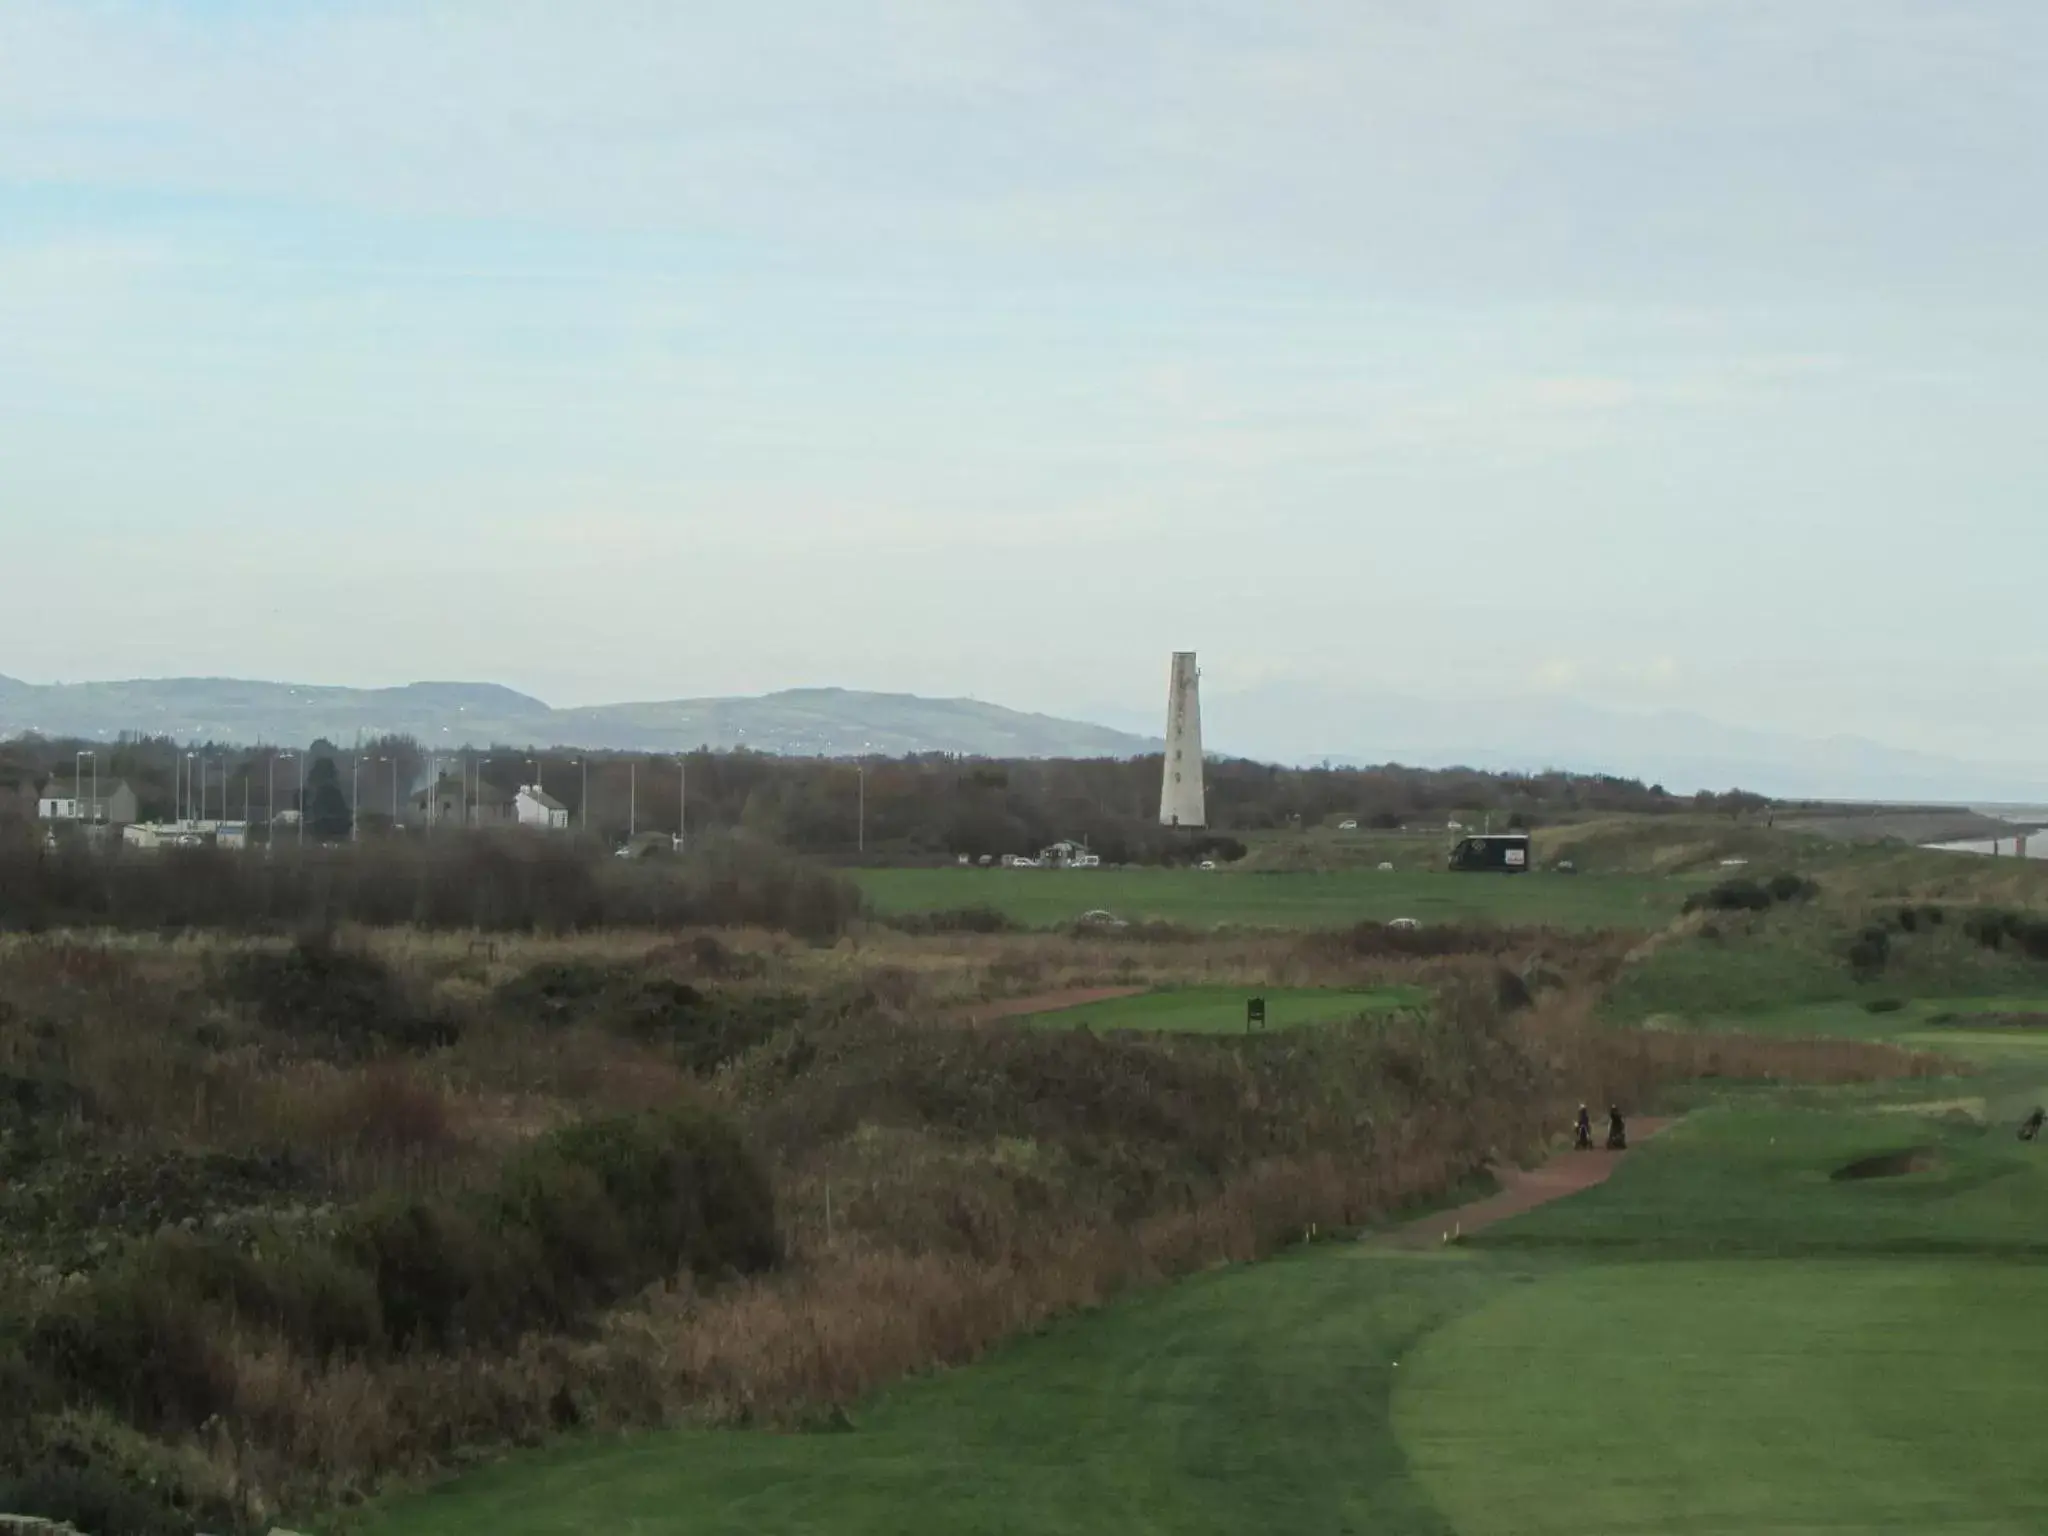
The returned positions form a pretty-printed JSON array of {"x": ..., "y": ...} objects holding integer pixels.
[{"x": 1650, "y": 352}]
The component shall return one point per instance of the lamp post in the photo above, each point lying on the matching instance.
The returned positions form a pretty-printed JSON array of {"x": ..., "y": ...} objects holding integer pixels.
[
  {"x": 355, "y": 797},
  {"x": 632, "y": 800},
  {"x": 191, "y": 778},
  {"x": 78, "y": 784},
  {"x": 861, "y": 828},
  {"x": 682, "y": 803}
]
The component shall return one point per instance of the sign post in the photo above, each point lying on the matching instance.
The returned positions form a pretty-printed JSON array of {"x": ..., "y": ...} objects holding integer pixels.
[{"x": 1254, "y": 1014}]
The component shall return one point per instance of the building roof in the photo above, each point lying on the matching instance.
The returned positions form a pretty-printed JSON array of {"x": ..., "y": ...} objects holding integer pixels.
[
  {"x": 454, "y": 789},
  {"x": 58, "y": 787},
  {"x": 541, "y": 798}
]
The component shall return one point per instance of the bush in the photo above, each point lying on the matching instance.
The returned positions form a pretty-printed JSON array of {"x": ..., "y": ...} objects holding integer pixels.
[
  {"x": 1730, "y": 896},
  {"x": 1870, "y": 951},
  {"x": 1991, "y": 926},
  {"x": 1884, "y": 1005},
  {"x": 956, "y": 920},
  {"x": 440, "y": 1278},
  {"x": 675, "y": 1190},
  {"x": 1790, "y": 887},
  {"x": 319, "y": 986},
  {"x": 146, "y": 1348},
  {"x": 587, "y": 1215},
  {"x": 706, "y": 1030}
]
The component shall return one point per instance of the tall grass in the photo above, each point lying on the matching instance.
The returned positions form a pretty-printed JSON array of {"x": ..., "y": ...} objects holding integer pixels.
[{"x": 303, "y": 1271}]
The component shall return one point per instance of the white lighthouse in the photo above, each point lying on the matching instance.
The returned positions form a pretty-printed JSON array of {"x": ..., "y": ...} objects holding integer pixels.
[{"x": 1180, "y": 793}]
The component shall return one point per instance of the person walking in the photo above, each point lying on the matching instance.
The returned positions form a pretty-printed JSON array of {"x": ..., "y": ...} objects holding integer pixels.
[{"x": 1617, "y": 1131}]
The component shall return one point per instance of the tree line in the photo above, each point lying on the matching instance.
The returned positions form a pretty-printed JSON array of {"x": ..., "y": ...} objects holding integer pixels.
[{"x": 930, "y": 806}]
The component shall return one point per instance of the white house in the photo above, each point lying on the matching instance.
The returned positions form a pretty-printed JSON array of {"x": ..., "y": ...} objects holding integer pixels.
[{"x": 535, "y": 807}]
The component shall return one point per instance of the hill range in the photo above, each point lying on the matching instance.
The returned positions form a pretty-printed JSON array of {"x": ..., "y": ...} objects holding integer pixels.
[{"x": 1275, "y": 723}]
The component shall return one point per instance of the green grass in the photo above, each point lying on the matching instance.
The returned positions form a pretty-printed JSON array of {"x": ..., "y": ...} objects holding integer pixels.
[
  {"x": 1221, "y": 1010},
  {"x": 1256, "y": 1399},
  {"x": 1752, "y": 1179},
  {"x": 1714, "y": 1397},
  {"x": 1758, "y": 965},
  {"x": 1049, "y": 898},
  {"x": 1722, "y": 1338}
]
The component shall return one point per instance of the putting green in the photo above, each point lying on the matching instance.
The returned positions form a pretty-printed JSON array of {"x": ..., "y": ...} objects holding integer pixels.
[{"x": 1780, "y": 1396}]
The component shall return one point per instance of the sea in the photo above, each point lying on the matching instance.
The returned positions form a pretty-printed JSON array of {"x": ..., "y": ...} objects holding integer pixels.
[{"x": 2035, "y": 845}]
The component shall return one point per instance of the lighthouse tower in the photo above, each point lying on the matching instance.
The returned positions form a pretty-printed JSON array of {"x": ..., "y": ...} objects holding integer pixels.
[{"x": 1180, "y": 793}]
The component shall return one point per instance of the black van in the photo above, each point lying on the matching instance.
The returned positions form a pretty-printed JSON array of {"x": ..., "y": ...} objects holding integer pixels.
[{"x": 1504, "y": 853}]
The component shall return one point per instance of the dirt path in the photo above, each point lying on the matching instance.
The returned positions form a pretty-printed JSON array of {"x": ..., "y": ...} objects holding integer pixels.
[
  {"x": 1521, "y": 1189},
  {"x": 1045, "y": 1002}
]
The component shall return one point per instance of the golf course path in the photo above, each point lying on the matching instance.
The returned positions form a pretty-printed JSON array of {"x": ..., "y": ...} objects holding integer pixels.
[
  {"x": 1045, "y": 1002},
  {"x": 1522, "y": 1189}
]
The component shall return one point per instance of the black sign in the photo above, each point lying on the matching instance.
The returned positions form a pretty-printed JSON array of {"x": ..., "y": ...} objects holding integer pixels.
[{"x": 1255, "y": 1013}]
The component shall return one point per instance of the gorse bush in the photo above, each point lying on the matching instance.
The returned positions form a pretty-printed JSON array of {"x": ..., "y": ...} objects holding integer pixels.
[
  {"x": 1870, "y": 951},
  {"x": 585, "y": 1216},
  {"x": 496, "y": 882},
  {"x": 703, "y": 1029},
  {"x": 1744, "y": 894},
  {"x": 1994, "y": 927},
  {"x": 343, "y": 994}
]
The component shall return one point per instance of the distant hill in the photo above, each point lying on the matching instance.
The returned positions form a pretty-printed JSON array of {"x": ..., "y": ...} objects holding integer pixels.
[
  {"x": 1276, "y": 723},
  {"x": 829, "y": 722}
]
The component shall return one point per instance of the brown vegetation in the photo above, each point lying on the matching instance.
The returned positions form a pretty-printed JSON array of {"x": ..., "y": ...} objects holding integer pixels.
[{"x": 287, "y": 1221}]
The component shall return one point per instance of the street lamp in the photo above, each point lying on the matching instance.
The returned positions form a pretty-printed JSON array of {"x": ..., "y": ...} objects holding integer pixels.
[
  {"x": 191, "y": 770},
  {"x": 78, "y": 782},
  {"x": 860, "y": 771}
]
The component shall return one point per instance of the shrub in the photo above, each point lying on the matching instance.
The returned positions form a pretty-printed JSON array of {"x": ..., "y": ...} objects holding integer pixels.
[
  {"x": 150, "y": 1350},
  {"x": 1790, "y": 887},
  {"x": 1741, "y": 895},
  {"x": 319, "y": 986},
  {"x": 1989, "y": 926},
  {"x": 441, "y": 1279},
  {"x": 1870, "y": 951},
  {"x": 1884, "y": 1005},
  {"x": 678, "y": 1187},
  {"x": 705, "y": 1030},
  {"x": 981, "y": 919}
]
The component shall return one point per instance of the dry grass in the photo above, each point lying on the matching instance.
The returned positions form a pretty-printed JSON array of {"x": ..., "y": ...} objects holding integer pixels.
[{"x": 938, "y": 1189}]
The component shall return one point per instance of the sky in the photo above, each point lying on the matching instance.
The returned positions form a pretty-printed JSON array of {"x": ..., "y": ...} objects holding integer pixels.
[{"x": 1649, "y": 354}]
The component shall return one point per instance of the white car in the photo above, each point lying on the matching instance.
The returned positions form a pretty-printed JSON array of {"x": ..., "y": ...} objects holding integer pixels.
[
  {"x": 1208, "y": 864},
  {"x": 1404, "y": 925},
  {"x": 1347, "y": 826},
  {"x": 1101, "y": 919},
  {"x": 1385, "y": 866}
]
